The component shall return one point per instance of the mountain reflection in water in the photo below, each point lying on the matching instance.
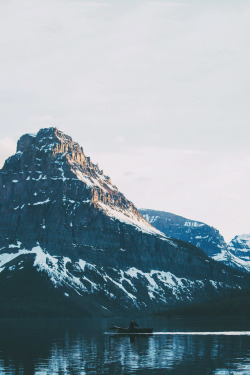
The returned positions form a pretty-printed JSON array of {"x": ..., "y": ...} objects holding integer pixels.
[{"x": 78, "y": 346}]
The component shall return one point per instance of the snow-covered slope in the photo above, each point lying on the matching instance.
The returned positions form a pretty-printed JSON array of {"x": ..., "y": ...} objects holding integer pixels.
[
  {"x": 240, "y": 247},
  {"x": 227, "y": 257},
  {"x": 112, "y": 290}
]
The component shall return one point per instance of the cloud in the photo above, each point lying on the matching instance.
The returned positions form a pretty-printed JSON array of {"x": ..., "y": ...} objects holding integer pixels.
[
  {"x": 142, "y": 179},
  {"x": 161, "y": 74},
  {"x": 144, "y": 86},
  {"x": 128, "y": 173},
  {"x": 119, "y": 139}
]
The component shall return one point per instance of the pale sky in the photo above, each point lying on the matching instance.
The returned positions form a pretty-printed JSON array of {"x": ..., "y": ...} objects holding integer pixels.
[{"x": 156, "y": 92}]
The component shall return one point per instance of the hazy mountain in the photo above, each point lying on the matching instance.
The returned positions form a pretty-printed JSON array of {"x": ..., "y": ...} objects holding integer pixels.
[
  {"x": 199, "y": 234},
  {"x": 235, "y": 254}
]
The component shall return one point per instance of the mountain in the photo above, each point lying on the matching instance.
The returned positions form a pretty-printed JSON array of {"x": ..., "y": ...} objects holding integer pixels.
[
  {"x": 240, "y": 246},
  {"x": 236, "y": 254},
  {"x": 199, "y": 234},
  {"x": 72, "y": 244}
]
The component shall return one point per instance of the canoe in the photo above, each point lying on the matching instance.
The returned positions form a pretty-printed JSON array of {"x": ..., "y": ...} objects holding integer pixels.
[{"x": 129, "y": 331}]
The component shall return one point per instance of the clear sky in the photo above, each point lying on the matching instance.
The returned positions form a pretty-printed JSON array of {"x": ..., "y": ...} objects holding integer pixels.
[{"x": 156, "y": 92}]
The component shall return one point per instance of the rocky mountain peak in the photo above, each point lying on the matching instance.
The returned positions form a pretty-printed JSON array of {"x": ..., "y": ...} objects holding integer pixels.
[
  {"x": 51, "y": 141},
  {"x": 49, "y": 167},
  {"x": 48, "y": 151}
]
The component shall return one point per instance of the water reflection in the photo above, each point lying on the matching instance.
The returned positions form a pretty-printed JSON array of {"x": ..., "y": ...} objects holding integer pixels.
[{"x": 81, "y": 347}]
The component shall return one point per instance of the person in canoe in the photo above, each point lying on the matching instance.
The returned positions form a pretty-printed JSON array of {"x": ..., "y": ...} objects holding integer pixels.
[{"x": 133, "y": 324}]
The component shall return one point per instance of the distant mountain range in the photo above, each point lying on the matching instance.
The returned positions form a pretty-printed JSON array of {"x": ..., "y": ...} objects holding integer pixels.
[
  {"x": 72, "y": 244},
  {"x": 235, "y": 254}
]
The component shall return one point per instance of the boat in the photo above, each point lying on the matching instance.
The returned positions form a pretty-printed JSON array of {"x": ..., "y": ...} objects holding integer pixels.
[{"x": 129, "y": 331}]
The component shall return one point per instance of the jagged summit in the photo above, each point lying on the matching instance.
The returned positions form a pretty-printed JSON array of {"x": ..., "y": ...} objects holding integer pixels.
[
  {"x": 53, "y": 141},
  {"x": 52, "y": 157}
]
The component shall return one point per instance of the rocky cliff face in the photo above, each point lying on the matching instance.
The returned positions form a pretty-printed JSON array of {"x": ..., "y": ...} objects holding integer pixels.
[
  {"x": 235, "y": 254},
  {"x": 66, "y": 230}
]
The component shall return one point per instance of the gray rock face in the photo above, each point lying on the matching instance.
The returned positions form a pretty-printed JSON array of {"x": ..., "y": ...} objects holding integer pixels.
[{"x": 66, "y": 228}]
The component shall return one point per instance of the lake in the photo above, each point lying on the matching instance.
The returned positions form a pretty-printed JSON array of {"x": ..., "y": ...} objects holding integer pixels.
[{"x": 85, "y": 346}]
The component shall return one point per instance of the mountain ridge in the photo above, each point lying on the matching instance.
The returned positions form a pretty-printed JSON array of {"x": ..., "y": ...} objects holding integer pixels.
[
  {"x": 62, "y": 217},
  {"x": 235, "y": 254}
]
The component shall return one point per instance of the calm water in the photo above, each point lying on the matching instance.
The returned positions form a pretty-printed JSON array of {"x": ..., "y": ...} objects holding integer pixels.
[{"x": 78, "y": 346}]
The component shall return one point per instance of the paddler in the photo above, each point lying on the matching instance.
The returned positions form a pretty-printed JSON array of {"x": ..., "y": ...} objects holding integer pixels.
[{"x": 133, "y": 324}]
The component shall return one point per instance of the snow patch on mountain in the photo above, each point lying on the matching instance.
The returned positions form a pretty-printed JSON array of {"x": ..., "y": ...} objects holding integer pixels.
[
  {"x": 129, "y": 218},
  {"x": 83, "y": 277},
  {"x": 231, "y": 260},
  {"x": 240, "y": 246},
  {"x": 155, "y": 278}
]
